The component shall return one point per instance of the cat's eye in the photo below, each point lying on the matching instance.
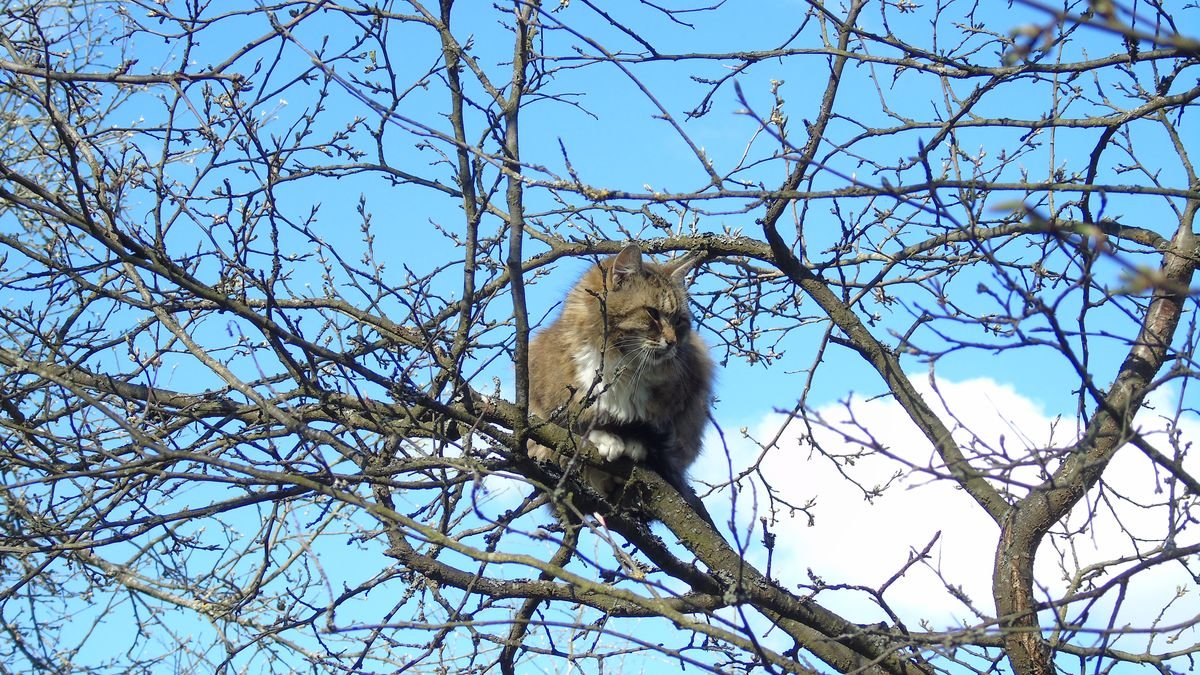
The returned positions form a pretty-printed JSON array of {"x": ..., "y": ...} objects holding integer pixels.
[{"x": 653, "y": 314}]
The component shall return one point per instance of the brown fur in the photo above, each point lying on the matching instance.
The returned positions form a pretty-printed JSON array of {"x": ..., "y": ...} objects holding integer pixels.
[{"x": 622, "y": 366}]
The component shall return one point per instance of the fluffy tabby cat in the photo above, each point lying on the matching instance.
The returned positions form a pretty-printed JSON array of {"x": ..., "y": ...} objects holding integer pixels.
[{"x": 622, "y": 366}]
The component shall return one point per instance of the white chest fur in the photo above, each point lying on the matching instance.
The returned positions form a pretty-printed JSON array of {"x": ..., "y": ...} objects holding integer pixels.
[{"x": 619, "y": 390}]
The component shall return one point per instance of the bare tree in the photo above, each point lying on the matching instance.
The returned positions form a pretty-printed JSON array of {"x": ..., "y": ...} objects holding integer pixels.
[{"x": 269, "y": 273}]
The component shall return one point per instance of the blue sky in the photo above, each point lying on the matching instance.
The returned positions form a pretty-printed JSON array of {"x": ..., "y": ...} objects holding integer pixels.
[{"x": 614, "y": 140}]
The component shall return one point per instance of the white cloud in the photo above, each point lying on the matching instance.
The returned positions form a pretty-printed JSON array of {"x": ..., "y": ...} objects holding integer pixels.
[{"x": 856, "y": 540}]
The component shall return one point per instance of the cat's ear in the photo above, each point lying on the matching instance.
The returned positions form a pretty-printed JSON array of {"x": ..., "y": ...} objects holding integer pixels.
[
  {"x": 627, "y": 263},
  {"x": 679, "y": 267}
]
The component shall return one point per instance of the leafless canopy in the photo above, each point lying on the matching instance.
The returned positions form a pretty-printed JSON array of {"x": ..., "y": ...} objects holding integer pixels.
[{"x": 269, "y": 272}]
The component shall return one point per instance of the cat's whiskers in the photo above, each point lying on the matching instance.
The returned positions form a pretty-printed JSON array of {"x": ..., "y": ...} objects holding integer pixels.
[
  {"x": 628, "y": 356},
  {"x": 628, "y": 361},
  {"x": 636, "y": 357}
]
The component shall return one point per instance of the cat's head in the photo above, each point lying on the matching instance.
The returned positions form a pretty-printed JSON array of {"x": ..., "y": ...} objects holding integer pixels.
[{"x": 636, "y": 307}]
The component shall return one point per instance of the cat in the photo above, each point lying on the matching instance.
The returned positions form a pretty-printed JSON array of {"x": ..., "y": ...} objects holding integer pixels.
[{"x": 622, "y": 367}]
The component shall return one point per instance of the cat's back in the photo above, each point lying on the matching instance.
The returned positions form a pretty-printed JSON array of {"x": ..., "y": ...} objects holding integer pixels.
[{"x": 553, "y": 350}]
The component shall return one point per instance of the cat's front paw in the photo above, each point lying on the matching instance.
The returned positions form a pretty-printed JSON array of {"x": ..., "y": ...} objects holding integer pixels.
[
  {"x": 610, "y": 446},
  {"x": 613, "y": 447}
]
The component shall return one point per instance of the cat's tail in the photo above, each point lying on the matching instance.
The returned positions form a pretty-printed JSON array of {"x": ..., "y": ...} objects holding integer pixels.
[{"x": 678, "y": 480}]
